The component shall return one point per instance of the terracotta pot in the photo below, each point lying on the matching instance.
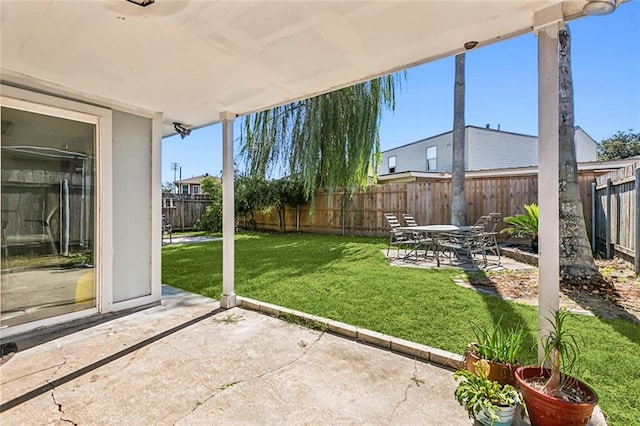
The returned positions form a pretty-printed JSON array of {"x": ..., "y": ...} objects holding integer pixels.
[
  {"x": 499, "y": 372},
  {"x": 549, "y": 411}
]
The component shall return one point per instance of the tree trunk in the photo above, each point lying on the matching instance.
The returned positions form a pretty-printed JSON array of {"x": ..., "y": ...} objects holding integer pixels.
[
  {"x": 458, "y": 202},
  {"x": 577, "y": 266}
]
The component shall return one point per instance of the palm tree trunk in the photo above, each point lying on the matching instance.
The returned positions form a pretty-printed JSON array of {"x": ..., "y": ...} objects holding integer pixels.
[
  {"x": 458, "y": 202},
  {"x": 577, "y": 266}
]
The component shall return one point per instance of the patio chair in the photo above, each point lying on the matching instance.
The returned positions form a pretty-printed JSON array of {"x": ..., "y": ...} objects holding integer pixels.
[
  {"x": 424, "y": 240},
  {"x": 409, "y": 220},
  {"x": 45, "y": 237},
  {"x": 398, "y": 237},
  {"x": 490, "y": 231},
  {"x": 451, "y": 244},
  {"x": 166, "y": 229}
]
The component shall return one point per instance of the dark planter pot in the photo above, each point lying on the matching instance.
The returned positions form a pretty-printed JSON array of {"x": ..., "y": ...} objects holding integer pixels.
[
  {"x": 499, "y": 372},
  {"x": 534, "y": 244},
  {"x": 545, "y": 410}
]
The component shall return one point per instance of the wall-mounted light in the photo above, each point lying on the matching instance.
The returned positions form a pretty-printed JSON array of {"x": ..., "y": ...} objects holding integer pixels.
[
  {"x": 143, "y": 3},
  {"x": 182, "y": 131},
  {"x": 599, "y": 7},
  {"x": 470, "y": 45}
]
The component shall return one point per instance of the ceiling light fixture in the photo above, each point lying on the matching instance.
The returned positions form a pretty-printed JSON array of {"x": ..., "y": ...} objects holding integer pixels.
[
  {"x": 143, "y": 3},
  {"x": 182, "y": 131},
  {"x": 599, "y": 7}
]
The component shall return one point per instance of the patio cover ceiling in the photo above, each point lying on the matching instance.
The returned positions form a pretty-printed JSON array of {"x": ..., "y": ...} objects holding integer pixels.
[{"x": 192, "y": 60}]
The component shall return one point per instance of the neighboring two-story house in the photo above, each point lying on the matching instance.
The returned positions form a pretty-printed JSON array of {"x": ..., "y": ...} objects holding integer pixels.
[
  {"x": 190, "y": 186},
  {"x": 485, "y": 149}
]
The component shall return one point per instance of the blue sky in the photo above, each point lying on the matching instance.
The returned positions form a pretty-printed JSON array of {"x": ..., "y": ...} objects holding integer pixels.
[{"x": 501, "y": 89}]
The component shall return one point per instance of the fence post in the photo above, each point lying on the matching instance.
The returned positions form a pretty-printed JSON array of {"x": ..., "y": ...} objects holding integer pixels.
[
  {"x": 344, "y": 219},
  {"x": 593, "y": 218},
  {"x": 636, "y": 249},
  {"x": 608, "y": 221}
]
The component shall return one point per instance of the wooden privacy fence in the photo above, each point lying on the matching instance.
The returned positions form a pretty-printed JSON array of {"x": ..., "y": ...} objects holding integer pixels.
[
  {"x": 182, "y": 211},
  {"x": 362, "y": 213},
  {"x": 616, "y": 214}
]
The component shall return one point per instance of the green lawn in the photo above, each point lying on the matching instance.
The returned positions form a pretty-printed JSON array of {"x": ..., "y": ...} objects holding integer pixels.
[{"x": 348, "y": 279}]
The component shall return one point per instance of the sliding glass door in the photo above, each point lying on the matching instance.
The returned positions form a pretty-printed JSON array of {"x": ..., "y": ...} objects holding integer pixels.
[{"x": 48, "y": 200}]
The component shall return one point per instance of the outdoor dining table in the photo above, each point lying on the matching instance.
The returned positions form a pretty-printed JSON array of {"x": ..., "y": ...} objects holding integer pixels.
[{"x": 433, "y": 231}]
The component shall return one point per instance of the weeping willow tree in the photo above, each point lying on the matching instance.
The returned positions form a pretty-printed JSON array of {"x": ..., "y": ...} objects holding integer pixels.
[{"x": 327, "y": 141}]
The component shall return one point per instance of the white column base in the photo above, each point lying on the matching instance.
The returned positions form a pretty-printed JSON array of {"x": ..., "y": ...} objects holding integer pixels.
[{"x": 228, "y": 301}]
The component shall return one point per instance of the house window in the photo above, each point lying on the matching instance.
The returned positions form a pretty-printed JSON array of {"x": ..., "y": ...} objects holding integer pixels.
[
  {"x": 185, "y": 190},
  {"x": 392, "y": 164},
  {"x": 168, "y": 203},
  {"x": 432, "y": 158},
  {"x": 196, "y": 189}
]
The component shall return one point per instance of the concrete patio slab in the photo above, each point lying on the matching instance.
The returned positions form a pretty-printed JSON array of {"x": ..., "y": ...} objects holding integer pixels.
[
  {"x": 189, "y": 362},
  {"x": 494, "y": 264}
]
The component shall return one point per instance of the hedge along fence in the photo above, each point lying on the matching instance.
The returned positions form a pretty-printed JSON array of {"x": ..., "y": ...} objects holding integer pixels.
[{"x": 362, "y": 213}]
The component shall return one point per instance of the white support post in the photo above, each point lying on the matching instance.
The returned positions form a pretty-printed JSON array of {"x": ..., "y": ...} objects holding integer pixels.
[
  {"x": 548, "y": 160},
  {"x": 228, "y": 299}
]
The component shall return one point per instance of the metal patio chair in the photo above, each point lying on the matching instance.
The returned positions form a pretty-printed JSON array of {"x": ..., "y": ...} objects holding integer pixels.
[
  {"x": 424, "y": 240},
  {"x": 399, "y": 238},
  {"x": 453, "y": 244}
]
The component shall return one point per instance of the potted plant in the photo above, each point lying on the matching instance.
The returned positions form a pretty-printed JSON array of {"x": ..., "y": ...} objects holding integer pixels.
[
  {"x": 500, "y": 347},
  {"x": 551, "y": 395},
  {"x": 486, "y": 401},
  {"x": 525, "y": 225}
]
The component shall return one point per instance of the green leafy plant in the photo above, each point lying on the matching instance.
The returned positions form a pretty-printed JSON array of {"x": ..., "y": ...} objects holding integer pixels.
[
  {"x": 499, "y": 344},
  {"x": 211, "y": 219},
  {"x": 476, "y": 392},
  {"x": 524, "y": 224},
  {"x": 562, "y": 354}
]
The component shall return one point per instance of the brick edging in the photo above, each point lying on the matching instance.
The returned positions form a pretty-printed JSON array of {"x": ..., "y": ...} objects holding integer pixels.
[{"x": 374, "y": 338}]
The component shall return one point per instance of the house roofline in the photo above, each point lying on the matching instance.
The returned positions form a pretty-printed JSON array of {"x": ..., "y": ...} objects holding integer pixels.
[
  {"x": 194, "y": 179},
  {"x": 473, "y": 127},
  {"x": 601, "y": 166}
]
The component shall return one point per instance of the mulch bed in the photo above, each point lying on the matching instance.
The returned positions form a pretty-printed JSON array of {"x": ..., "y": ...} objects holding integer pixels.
[{"x": 619, "y": 298}]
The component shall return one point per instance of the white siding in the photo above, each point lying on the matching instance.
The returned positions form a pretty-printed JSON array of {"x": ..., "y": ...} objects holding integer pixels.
[
  {"x": 494, "y": 149},
  {"x": 485, "y": 149},
  {"x": 586, "y": 147},
  {"x": 131, "y": 206},
  {"x": 413, "y": 157}
]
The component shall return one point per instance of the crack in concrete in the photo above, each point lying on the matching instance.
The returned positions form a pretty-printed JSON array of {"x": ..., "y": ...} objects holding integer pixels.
[
  {"x": 57, "y": 366},
  {"x": 230, "y": 385},
  {"x": 53, "y": 396},
  {"x": 414, "y": 380},
  {"x": 177, "y": 350},
  {"x": 60, "y": 410}
]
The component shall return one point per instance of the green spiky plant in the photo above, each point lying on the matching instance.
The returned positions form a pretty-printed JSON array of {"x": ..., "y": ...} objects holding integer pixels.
[
  {"x": 499, "y": 344},
  {"x": 561, "y": 353}
]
